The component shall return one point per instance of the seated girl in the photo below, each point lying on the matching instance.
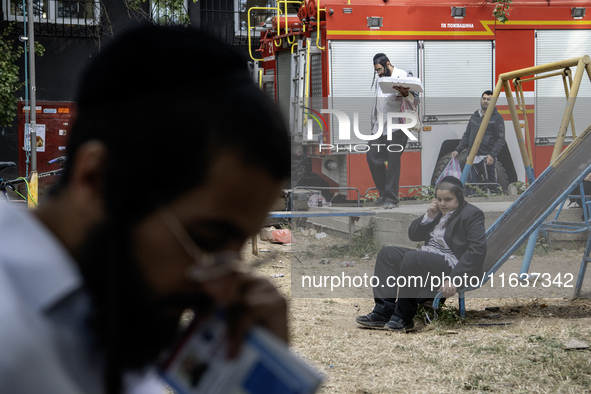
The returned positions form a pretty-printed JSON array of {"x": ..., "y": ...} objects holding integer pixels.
[{"x": 453, "y": 253}]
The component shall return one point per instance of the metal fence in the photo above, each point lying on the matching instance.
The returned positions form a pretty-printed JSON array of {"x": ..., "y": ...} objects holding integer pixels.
[
  {"x": 63, "y": 18},
  {"x": 231, "y": 26},
  {"x": 84, "y": 18}
]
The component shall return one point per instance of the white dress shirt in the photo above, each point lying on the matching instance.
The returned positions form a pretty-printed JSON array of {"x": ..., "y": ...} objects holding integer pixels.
[
  {"x": 387, "y": 102},
  {"x": 45, "y": 343},
  {"x": 437, "y": 242}
]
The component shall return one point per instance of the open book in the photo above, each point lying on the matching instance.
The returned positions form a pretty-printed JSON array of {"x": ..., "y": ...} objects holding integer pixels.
[{"x": 387, "y": 84}]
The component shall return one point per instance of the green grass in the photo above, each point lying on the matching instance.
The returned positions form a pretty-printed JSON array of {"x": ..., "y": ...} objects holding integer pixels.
[
  {"x": 542, "y": 248},
  {"x": 445, "y": 317},
  {"x": 362, "y": 246}
]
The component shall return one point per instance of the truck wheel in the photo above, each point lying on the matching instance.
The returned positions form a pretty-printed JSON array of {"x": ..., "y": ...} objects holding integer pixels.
[
  {"x": 502, "y": 177},
  {"x": 442, "y": 162}
]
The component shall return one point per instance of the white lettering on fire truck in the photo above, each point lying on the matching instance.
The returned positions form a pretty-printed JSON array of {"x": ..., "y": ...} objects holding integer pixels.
[{"x": 457, "y": 26}]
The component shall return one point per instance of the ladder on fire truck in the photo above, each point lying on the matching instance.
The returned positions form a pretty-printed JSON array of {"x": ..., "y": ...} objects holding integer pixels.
[{"x": 528, "y": 213}]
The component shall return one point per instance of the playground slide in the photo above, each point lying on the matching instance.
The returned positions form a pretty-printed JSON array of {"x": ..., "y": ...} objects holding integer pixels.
[{"x": 540, "y": 199}]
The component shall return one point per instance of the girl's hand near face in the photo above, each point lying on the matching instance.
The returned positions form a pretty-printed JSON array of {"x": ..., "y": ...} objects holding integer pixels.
[{"x": 433, "y": 209}]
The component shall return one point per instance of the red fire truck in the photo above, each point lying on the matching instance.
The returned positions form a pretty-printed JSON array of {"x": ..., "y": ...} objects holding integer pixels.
[{"x": 316, "y": 57}]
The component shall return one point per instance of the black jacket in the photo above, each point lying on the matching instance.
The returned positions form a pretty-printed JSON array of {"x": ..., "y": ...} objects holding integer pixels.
[
  {"x": 494, "y": 136},
  {"x": 464, "y": 234}
]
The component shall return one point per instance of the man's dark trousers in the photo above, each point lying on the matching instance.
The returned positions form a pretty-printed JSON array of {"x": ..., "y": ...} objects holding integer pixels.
[
  {"x": 482, "y": 172},
  {"x": 396, "y": 262},
  {"x": 387, "y": 179}
]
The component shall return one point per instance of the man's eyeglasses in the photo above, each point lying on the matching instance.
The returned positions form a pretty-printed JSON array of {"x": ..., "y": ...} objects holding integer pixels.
[{"x": 207, "y": 266}]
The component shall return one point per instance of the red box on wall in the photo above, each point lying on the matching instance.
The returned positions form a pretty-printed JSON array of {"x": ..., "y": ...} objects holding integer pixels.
[{"x": 54, "y": 120}]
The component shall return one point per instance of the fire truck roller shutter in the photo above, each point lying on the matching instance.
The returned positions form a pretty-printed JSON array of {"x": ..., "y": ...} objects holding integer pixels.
[
  {"x": 352, "y": 73},
  {"x": 455, "y": 75},
  {"x": 551, "y": 46},
  {"x": 502, "y": 177}
]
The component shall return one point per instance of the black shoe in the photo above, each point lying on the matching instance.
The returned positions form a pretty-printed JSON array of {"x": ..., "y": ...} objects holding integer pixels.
[
  {"x": 373, "y": 320},
  {"x": 379, "y": 202},
  {"x": 398, "y": 325}
]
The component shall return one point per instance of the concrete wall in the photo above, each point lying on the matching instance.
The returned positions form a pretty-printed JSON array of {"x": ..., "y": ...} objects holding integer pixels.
[{"x": 390, "y": 227}]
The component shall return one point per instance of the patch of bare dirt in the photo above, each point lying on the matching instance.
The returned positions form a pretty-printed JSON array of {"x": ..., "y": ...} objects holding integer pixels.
[{"x": 512, "y": 340}]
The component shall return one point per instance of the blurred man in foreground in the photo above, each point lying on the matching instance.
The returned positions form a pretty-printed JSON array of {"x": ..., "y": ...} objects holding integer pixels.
[{"x": 169, "y": 171}]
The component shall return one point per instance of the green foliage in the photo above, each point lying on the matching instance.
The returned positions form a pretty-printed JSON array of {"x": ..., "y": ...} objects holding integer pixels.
[
  {"x": 476, "y": 191},
  {"x": 163, "y": 12},
  {"x": 422, "y": 192},
  {"x": 445, "y": 316},
  {"x": 521, "y": 186},
  {"x": 9, "y": 81},
  {"x": 369, "y": 198},
  {"x": 542, "y": 248},
  {"x": 9, "y": 78},
  {"x": 501, "y": 10},
  {"x": 363, "y": 245}
]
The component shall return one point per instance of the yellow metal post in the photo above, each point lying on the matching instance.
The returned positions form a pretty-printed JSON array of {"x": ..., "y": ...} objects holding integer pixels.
[
  {"x": 515, "y": 118},
  {"x": 567, "y": 85},
  {"x": 318, "y": 27},
  {"x": 543, "y": 68},
  {"x": 570, "y": 104},
  {"x": 249, "y": 26},
  {"x": 33, "y": 183},
  {"x": 521, "y": 102},
  {"x": 583, "y": 63},
  {"x": 33, "y": 195}
]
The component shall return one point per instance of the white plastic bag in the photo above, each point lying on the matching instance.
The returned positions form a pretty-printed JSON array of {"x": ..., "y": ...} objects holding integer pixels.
[{"x": 452, "y": 168}]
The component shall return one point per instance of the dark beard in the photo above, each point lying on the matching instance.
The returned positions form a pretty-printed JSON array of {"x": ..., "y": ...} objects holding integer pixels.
[
  {"x": 387, "y": 72},
  {"x": 130, "y": 327}
]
